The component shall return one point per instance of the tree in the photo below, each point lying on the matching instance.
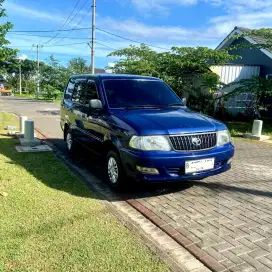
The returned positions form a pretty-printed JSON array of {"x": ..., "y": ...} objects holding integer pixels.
[
  {"x": 53, "y": 76},
  {"x": 185, "y": 69},
  {"x": 6, "y": 53},
  {"x": 60, "y": 74},
  {"x": 78, "y": 66},
  {"x": 135, "y": 60},
  {"x": 260, "y": 88},
  {"x": 28, "y": 71}
]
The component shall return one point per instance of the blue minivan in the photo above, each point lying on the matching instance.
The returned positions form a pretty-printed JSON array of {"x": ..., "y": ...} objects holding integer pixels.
[{"x": 142, "y": 129}]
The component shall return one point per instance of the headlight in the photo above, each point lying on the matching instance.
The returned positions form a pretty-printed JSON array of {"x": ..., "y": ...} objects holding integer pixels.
[
  {"x": 223, "y": 137},
  {"x": 150, "y": 143}
]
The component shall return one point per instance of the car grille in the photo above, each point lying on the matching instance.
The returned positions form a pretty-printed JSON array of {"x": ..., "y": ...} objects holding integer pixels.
[{"x": 193, "y": 142}]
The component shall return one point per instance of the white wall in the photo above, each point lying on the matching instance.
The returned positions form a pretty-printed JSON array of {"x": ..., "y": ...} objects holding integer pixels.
[
  {"x": 231, "y": 73},
  {"x": 234, "y": 73}
]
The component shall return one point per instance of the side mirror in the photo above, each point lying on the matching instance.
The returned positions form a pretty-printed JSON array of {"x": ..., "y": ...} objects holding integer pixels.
[
  {"x": 95, "y": 104},
  {"x": 184, "y": 101}
]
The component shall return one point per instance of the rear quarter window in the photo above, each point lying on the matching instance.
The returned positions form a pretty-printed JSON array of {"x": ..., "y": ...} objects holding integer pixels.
[{"x": 70, "y": 89}]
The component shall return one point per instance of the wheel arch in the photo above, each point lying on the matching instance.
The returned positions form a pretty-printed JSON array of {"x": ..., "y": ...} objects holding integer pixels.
[{"x": 65, "y": 129}]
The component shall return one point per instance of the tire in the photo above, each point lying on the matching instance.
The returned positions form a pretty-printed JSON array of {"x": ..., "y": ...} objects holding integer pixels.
[
  {"x": 115, "y": 171},
  {"x": 70, "y": 143}
]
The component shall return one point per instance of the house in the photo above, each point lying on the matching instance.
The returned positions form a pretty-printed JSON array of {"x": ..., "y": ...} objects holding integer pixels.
[
  {"x": 99, "y": 71},
  {"x": 253, "y": 62},
  {"x": 250, "y": 56}
]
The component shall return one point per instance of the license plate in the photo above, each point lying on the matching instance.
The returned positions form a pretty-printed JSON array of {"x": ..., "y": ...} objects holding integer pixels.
[{"x": 199, "y": 165}]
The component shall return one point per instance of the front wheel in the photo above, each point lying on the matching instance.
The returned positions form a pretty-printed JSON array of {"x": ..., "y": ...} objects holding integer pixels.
[
  {"x": 115, "y": 171},
  {"x": 70, "y": 143}
]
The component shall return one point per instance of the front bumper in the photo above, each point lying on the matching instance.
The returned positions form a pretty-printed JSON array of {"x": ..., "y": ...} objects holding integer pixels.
[{"x": 171, "y": 165}]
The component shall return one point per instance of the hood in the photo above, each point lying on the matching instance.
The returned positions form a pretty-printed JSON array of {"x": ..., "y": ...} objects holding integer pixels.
[{"x": 167, "y": 121}]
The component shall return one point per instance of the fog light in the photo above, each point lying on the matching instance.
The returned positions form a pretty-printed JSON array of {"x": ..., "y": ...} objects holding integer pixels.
[
  {"x": 146, "y": 170},
  {"x": 229, "y": 161}
]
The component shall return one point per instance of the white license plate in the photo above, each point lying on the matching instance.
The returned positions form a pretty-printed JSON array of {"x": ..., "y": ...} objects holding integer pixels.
[{"x": 199, "y": 165}]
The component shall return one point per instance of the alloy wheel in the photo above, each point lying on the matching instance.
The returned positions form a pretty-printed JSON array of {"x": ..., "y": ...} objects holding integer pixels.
[
  {"x": 69, "y": 141},
  {"x": 112, "y": 170}
]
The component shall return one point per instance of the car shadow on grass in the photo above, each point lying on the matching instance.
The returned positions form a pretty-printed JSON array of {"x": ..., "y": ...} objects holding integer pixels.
[
  {"x": 45, "y": 168},
  {"x": 51, "y": 171}
]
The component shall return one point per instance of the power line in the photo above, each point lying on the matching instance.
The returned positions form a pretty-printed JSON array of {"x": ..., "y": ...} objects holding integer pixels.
[
  {"x": 96, "y": 41},
  {"x": 78, "y": 22},
  {"x": 78, "y": 12},
  {"x": 46, "y": 45},
  {"x": 124, "y": 38},
  {"x": 64, "y": 23},
  {"x": 46, "y": 31},
  {"x": 65, "y": 44},
  {"x": 70, "y": 38},
  {"x": 42, "y": 36},
  {"x": 86, "y": 28}
]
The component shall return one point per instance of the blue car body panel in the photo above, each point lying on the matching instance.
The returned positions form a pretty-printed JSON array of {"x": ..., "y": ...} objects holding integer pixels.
[{"x": 117, "y": 126}]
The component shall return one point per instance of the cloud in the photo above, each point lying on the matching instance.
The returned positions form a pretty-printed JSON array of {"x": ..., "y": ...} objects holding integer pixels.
[
  {"x": 145, "y": 32},
  {"x": 111, "y": 64},
  {"x": 162, "y": 7},
  {"x": 32, "y": 13},
  {"x": 245, "y": 13},
  {"x": 252, "y": 4},
  {"x": 25, "y": 45},
  {"x": 23, "y": 57}
]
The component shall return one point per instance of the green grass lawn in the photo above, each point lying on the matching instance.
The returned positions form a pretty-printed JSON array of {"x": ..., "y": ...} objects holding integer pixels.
[
  {"x": 237, "y": 128},
  {"x": 50, "y": 221},
  {"x": 33, "y": 96}
]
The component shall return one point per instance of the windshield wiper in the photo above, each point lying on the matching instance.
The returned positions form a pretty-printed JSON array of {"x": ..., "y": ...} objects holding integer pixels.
[
  {"x": 175, "y": 105},
  {"x": 142, "y": 107}
]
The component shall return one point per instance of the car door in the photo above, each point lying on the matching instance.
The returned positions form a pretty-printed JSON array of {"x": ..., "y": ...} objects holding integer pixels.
[
  {"x": 67, "y": 104},
  {"x": 92, "y": 119},
  {"x": 78, "y": 109}
]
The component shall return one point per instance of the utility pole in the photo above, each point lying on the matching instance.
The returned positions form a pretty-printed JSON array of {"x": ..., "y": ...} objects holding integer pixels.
[
  {"x": 20, "y": 78},
  {"x": 93, "y": 36},
  {"x": 38, "y": 70},
  {"x": 20, "y": 59}
]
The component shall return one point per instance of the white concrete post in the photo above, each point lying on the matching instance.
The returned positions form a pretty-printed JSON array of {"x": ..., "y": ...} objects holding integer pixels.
[
  {"x": 29, "y": 130},
  {"x": 22, "y": 124},
  {"x": 257, "y": 128}
]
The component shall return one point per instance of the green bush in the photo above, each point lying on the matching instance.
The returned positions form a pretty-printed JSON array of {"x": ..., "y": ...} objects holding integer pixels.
[{"x": 51, "y": 93}]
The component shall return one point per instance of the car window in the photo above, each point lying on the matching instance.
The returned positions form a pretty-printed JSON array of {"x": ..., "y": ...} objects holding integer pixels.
[
  {"x": 70, "y": 89},
  {"x": 79, "y": 91},
  {"x": 91, "y": 91},
  {"x": 134, "y": 93}
]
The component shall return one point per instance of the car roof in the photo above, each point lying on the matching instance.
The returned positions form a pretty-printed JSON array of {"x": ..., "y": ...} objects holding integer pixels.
[{"x": 114, "y": 76}]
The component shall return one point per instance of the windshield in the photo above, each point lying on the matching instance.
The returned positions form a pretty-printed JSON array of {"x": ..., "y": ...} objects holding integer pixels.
[{"x": 136, "y": 93}]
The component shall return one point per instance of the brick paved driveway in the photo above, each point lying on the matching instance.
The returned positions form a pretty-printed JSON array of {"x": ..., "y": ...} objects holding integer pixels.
[
  {"x": 226, "y": 219},
  {"x": 228, "y": 216}
]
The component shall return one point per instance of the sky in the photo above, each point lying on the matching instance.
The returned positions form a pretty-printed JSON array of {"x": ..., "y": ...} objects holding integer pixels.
[{"x": 160, "y": 23}]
